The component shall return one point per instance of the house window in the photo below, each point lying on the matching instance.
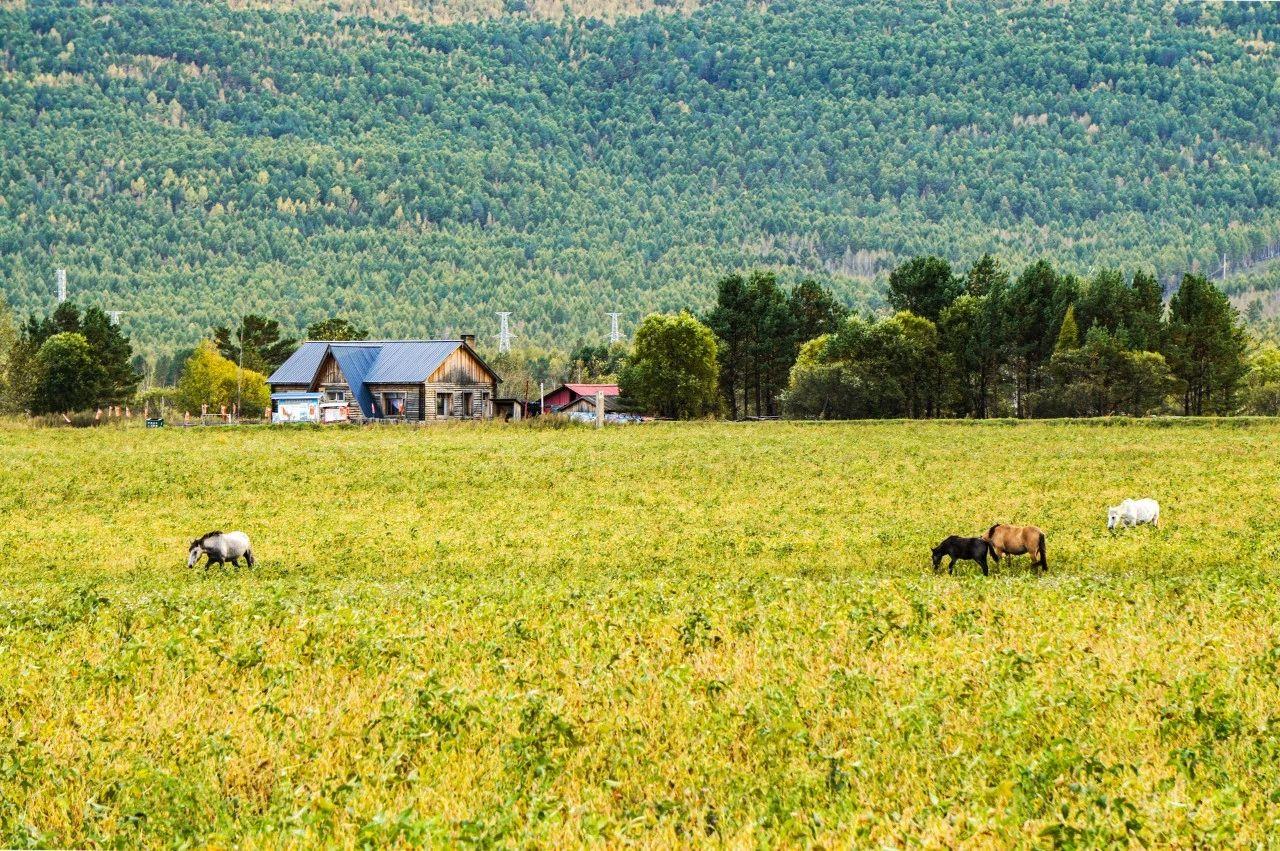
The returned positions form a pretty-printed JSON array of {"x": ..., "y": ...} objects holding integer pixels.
[
  {"x": 393, "y": 404},
  {"x": 442, "y": 404},
  {"x": 334, "y": 395}
]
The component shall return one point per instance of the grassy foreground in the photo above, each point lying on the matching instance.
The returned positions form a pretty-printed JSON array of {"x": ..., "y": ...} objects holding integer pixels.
[{"x": 705, "y": 633}]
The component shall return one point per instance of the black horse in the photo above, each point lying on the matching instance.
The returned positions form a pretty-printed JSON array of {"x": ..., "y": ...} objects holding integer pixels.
[{"x": 973, "y": 549}]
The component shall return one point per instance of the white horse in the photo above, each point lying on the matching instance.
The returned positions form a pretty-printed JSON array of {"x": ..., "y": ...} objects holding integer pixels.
[
  {"x": 1133, "y": 512},
  {"x": 221, "y": 548}
]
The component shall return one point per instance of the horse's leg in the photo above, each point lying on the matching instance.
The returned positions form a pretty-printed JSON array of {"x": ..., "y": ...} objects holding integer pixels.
[
  {"x": 982, "y": 560},
  {"x": 248, "y": 557}
]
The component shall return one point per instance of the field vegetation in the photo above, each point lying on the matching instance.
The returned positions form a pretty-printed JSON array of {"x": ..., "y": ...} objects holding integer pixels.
[{"x": 680, "y": 633}]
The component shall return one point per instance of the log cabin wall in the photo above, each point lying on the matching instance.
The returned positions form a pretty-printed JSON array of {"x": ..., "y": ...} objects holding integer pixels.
[
  {"x": 412, "y": 400},
  {"x": 482, "y": 396}
]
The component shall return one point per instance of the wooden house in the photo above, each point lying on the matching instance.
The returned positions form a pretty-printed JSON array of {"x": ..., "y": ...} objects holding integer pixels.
[{"x": 411, "y": 380}]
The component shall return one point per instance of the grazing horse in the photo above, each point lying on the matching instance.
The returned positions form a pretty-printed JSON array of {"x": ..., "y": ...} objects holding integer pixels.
[
  {"x": 221, "y": 548},
  {"x": 1133, "y": 512},
  {"x": 973, "y": 549},
  {"x": 1017, "y": 540}
]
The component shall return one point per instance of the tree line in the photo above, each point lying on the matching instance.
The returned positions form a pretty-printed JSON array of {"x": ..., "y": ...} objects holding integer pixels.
[
  {"x": 983, "y": 343},
  {"x": 977, "y": 342}
]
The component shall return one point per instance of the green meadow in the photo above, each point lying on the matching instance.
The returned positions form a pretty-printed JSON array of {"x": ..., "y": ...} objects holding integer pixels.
[{"x": 696, "y": 634}]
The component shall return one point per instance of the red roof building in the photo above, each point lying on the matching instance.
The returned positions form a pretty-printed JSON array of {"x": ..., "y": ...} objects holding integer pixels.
[{"x": 567, "y": 394}]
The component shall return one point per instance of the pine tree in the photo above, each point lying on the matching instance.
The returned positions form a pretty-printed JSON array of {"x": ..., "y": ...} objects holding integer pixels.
[
  {"x": 924, "y": 286},
  {"x": 1068, "y": 334},
  {"x": 336, "y": 328},
  {"x": 114, "y": 354},
  {"x": 1206, "y": 346},
  {"x": 263, "y": 347}
]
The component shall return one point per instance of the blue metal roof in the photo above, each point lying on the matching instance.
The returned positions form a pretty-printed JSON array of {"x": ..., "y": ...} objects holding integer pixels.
[
  {"x": 301, "y": 366},
  {"x": 355, "y": 363},
  {"x": 410, "y": 362}
]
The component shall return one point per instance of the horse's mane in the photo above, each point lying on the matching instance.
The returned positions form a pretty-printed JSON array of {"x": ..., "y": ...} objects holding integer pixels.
[
  {"x": 992, "y": 530},
  {"x": 206, "y": 536}
]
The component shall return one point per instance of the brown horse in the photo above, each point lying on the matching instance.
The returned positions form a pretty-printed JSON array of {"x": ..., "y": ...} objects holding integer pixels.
[{"x": 1017, "y": 540}]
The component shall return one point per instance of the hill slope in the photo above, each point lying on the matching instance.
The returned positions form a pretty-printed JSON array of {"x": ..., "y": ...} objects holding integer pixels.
[{"x": 186, "y": 162}]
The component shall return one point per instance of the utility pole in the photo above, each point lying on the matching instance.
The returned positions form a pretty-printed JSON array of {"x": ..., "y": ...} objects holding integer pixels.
[
  {"x": 615, "y": 335},
  {"x": 504, "y": 332}
]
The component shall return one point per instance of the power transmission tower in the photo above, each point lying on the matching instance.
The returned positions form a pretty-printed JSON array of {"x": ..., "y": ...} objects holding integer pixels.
[
  {"x": 62, "y": 285},
  {"x": 615, "y": 335},
  {"x": 1224, "y": 266},
  {"x": 115, "y": 316},
  {"x": 504, "y": 333}
]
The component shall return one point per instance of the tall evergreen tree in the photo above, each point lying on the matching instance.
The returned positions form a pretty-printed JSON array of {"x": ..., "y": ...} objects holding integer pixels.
[
  {"x": 1036, "y": 304},
  {"x": 730, "y": 320},
  {"x": 336, "y": 328},
  {"x": 114, "y": 354},
  {"x": 924, "y": 286},
  {"x": 8, "y": 340},
  {"x": 1146, "y": 314},
  {"x": 1069, "y": 334},
  {"x": 1206, "y": 346},
  {"x": 264, "y": 349},
  {"x": 815, "y": 309},
  {"x": 1104, "y": 301},
  {"x": 985, "y": 276}
]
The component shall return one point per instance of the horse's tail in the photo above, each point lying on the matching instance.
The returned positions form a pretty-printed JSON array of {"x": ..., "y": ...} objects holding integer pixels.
[{"x": 1044, "y": 557}]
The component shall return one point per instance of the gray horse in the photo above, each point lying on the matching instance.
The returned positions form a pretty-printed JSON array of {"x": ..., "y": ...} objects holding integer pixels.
[{"x": 221, "y": 547}]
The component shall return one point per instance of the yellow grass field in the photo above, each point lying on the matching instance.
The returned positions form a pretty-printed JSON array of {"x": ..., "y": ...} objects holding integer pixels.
[{"x": 692, "y": 634}]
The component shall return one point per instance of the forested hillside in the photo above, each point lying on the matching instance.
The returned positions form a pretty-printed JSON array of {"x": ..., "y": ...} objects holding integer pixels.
[{"x": 191, "y": 162}]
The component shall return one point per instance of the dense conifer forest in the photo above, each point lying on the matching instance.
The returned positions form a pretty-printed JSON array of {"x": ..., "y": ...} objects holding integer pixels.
[{"x": 418, "y": 169}]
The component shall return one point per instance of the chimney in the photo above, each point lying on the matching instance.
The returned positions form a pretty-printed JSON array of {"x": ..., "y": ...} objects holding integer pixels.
[{"x": 469, "y": 339}]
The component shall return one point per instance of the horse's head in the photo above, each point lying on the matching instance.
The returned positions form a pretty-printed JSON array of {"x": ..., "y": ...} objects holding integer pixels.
[
  {"x": 1113, "y": 516},
  {"x": 197, "y": 548},
  {"x": 937, "y": 558}
]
